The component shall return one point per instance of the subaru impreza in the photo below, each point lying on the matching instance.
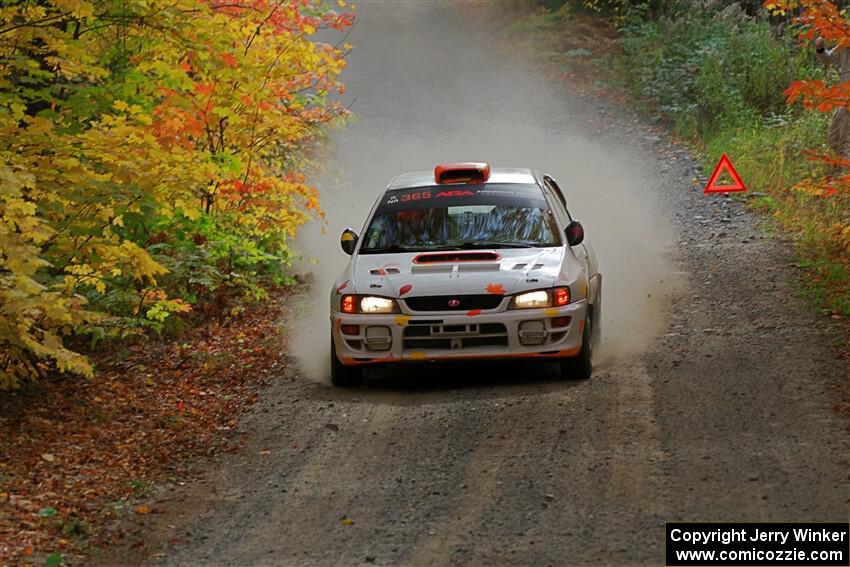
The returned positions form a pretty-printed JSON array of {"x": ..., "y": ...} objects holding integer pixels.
[{"x": 466, "y": 262}]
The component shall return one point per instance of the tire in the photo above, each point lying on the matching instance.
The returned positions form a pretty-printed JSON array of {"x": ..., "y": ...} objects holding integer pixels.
[
  {"x": 344, "y": 376},
  {"x": 580, "y": 367}
]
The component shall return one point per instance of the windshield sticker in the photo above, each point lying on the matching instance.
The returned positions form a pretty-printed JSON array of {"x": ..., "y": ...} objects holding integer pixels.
[{"x": 514, "y": 195}]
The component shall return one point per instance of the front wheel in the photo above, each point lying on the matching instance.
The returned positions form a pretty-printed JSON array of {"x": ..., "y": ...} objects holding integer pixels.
[
  {"x": 344, "y": 376},
  {"x": 580, "y": 367}
]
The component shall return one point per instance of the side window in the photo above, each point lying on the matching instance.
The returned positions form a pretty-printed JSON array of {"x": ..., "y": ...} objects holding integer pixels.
[
  {"x": 553, "y": 186},
  {"x": 559, "y": 201}
]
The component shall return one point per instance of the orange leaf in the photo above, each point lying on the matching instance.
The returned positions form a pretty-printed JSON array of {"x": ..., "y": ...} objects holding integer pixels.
[
  {"x": 143, "y": 509},
  {"x": 229, "y": 60},
  {"x": 496, "y": 289}
]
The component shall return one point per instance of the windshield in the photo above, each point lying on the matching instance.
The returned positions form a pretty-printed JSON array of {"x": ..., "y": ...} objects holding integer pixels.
[{"x": 460, "y": 217}]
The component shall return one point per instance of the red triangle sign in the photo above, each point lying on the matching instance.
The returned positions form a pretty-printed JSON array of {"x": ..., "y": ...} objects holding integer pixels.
[{"x": 724, "y": 165}]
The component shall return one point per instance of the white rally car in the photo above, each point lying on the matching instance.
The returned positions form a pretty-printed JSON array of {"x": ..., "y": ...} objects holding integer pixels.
[{"x": 466, "y": 262}]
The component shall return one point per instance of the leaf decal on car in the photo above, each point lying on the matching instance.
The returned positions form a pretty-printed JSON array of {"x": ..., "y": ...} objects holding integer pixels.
[
  {"x": 342, "y": 286},
  {"x": 473, "y": 312},
  {"x": 496, "y": 289},
  {"x": 404, "y": 289}
]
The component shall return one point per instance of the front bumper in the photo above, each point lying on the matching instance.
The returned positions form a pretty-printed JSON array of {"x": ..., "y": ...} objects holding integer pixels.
[{"x": 521, "y": 333}]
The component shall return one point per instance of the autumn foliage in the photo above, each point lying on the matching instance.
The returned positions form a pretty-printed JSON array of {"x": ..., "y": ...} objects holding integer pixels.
[
  {"x": 151, "y": 154},
  {"x": 821, "y": 18}
]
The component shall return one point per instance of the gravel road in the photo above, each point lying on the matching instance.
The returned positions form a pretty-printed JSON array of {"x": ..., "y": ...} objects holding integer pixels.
[{"x": 714, "y": 400}]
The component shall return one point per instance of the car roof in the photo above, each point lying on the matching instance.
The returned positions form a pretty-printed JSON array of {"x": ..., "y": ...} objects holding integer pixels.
[{"x": 497, "y": 175}]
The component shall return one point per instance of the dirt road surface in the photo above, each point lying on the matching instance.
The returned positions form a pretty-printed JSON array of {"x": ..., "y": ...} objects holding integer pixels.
[{"x": 714, "y": 399}]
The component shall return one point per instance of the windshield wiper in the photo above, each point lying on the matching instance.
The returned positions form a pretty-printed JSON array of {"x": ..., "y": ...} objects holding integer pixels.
[
  {"x": 486, "y": 244},
  {"x": 392, "y": 248},
  {"x": 477, "y": 246}
]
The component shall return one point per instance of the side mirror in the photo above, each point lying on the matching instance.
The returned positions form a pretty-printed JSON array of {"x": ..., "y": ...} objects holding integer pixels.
[
  {"x": 348, "y": 241},
  {"x": 575, "y": 233}
]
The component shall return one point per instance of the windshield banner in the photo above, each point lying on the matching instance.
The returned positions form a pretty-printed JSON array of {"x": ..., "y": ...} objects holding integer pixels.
[{"x": 438, "y": 196}]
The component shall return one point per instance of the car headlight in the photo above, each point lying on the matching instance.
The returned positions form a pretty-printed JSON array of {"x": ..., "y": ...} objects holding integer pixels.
[
  {"x": 370, "y": 304},
  {"x": 367, "y": 304},
  {"x": 532, "y": 299},
  {"x": 558, "y": 297}
]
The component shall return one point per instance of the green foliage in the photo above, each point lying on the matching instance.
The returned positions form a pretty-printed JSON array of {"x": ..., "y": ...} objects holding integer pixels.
[
  {"x": 655, "y": 8},
  {"x": 769, "y": 152},
  {"x": 707, "y": 73},
  {"x": 140, "y": 487}
]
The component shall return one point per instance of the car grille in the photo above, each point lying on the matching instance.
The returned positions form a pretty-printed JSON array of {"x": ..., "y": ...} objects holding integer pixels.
[
  {"x": 455, "y": 337},
  {"x": 464, "y": 302}
]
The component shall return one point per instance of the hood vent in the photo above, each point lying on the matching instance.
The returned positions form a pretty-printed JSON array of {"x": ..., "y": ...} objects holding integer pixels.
[
  {"x": 442, "y": 257},
  {"x": 384, "y": 271},
  {"x": 489, "y": 267},
  {"x": 432, "y": 269}
]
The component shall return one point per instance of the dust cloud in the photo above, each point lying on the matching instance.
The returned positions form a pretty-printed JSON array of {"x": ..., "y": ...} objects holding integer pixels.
[{"x": 424, "y": 92}]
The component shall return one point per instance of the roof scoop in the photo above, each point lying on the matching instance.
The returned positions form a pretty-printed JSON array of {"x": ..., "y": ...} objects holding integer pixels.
[{"x": 469, "y": 172}]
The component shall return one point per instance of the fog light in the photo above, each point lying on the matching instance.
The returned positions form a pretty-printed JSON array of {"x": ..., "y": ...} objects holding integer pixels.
[
  {"x": 532, "y": 333},
  {"x": 378, "y": 338},
  {"x": 350, "y": 329},
  {"x": 558, "y": 322}
]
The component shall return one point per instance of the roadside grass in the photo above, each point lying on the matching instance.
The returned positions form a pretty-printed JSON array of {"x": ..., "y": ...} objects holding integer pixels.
[
  {"x": 716, "y": 80},
  {"x": 770, "y": 157}
]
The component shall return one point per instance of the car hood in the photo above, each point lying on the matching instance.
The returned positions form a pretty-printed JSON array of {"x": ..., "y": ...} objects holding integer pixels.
[{"x": 502, "y": 271}]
